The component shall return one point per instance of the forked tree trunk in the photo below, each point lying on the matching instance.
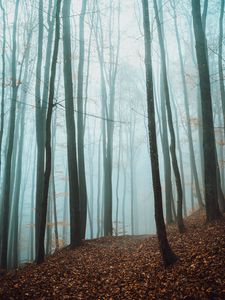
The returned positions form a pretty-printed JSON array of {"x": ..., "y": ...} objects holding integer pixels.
[{"x": 48, "y": 151}]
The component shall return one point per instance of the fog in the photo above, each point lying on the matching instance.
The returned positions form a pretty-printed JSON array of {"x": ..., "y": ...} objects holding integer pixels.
[{"x": 113, "y": 115}]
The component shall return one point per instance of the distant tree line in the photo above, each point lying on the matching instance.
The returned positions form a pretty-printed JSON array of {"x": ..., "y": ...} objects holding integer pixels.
[{"x": 57, "y": 84}]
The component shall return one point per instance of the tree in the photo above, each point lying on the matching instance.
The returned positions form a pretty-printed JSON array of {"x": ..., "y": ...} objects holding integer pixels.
[
  {"x": 20, "y": 126},
  {"x": 166, "y": 159},
  {"x": 80, "y": 124},
  {"x": 170, "y": 124},
  {"x": 40, "y": 126},
  {"x": 3, "y": 80},
  {"x": 187, "y": 110},
  {"x": 48, "y": 153},
  {"x": 74, "y": 194},
  {"x": 220, "y": 59},
  {"x": 209, "y": 149},
  {"x": 167, "y": 254},
  {"x": 2, "y": 104},
  {"x": 221, "y": 80},
  {"x": 8, "y": 163}
]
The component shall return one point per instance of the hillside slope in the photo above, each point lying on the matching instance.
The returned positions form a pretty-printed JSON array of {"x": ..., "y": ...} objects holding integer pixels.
[{"x": 129, "y": 268}]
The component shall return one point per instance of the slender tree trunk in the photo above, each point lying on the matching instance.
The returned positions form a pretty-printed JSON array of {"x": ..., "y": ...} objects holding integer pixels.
[
  {"x": 49, "y": 223},
  {"x": 99, "y": 189},
  {"x": 199, "y": 109},
  {"x": 39, "y": 128},
  {"x": 106, "y": 188},
  {"x": 65, "y": 212},
  {"x": 32, "y": 209},
  {"x": 91, "y": 150},
  {"x": 18, "y": 179},
  {"x": 221, "y": 78},
  {"x": 180, "y": 155},
  {"x": 74, "y": 198},
  {"x": 3, "y": 82},
  {"x": 7, "y": 172},
  {"x": 209, "y": 149},
  {"x": 48, "y": 165},
  {"x": 187, "y": 110},
  {"x": 53, "y": 178},
  {"x": 118, "y": 181},
  {"x": 80, "y": 125},
  {"x": 41, "y": 106},
  {"x": 166, "y": 158},
  {"x": 167, "y": 254},
  {"x": 131, "y": 148},
  {"x": 220, "y": 59},
  {"x": 170, "y": 123},
  {"x": 124, "y": 198}
]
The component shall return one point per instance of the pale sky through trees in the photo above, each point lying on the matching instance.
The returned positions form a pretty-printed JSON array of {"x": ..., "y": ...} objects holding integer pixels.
[{"x": 129, "y": 152}]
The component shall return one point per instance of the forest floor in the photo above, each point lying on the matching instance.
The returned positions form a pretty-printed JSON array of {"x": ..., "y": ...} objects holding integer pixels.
[{"x": 129, "y": 267}]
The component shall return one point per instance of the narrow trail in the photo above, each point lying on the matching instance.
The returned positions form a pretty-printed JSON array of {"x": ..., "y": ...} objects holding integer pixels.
[{"x": 129, "y": 267}]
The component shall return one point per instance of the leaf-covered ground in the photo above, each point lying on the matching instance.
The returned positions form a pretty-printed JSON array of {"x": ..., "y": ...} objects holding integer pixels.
[{"x": 129, "y": 268}]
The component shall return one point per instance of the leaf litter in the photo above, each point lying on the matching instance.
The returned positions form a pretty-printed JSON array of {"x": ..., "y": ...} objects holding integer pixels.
[{"x": 129, "y": 267}]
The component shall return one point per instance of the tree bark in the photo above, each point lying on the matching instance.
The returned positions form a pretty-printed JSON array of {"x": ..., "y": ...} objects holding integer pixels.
[
  {"x": 8, "y": 162},
  {"x": 74, "y": 198},
  {"x": 181, "y": 226},
  {"x": 80, "y": 124},
  {"x": 48, "y": 153},
  {"x": 167, "y": 254},
  {"x": 210, "y": 172},
  {"x": 3, "y": 81},
  {"x": 187, "y": 110}
]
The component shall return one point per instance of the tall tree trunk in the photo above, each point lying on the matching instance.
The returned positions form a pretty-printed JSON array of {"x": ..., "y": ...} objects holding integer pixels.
[
  {"x": 2, "y": 106},
  {"x": 74, "y": 198},
  {"x": 16, "y": 194},
  {"x": 180, "y": 154},
  {"x": 49, "y": 223},
  {"x": 209, "y": 149},
  {"x": 41, "y": 104},
  {"x": 166, "y": 158},
  {"x": 39, "y": 128},
  {"x": 167, "y": 254},
  {"x": 47, "y": 173},
  {"x": 32, "y": 209},
  {"x": 131, "y": 148},
  {"x": 65, "y": 211},
  {"x": 124, "y": 197},
  {"x": 90, "y": 206},
  {"x": 199, "y": 109},
  {"x": 170, "y": 123},
  {"x": 106, "y": 187},
  {"x": 118, "y": 181},
  {"x": 53, "y": 178},
  {"x": 221, "y": 76},
  {"x": 220, "y": 59},
  {"x": 187, "y": 111},
  {"x": 7, "y": 172},
  {"x": 3, "y": 81},
  {"x": 99, "y": 189},
  {"x": 80, "y": 124}
]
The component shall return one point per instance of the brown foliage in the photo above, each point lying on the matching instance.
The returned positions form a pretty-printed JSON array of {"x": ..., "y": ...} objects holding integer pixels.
[{"x": 129, "y": 268}]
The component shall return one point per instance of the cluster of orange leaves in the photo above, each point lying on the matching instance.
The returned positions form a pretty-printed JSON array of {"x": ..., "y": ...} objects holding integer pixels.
[{"x": 129, "y": 268}]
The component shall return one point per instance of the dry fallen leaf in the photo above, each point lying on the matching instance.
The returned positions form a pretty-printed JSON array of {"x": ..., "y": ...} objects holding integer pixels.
[{"x": 127, "y": 267}]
